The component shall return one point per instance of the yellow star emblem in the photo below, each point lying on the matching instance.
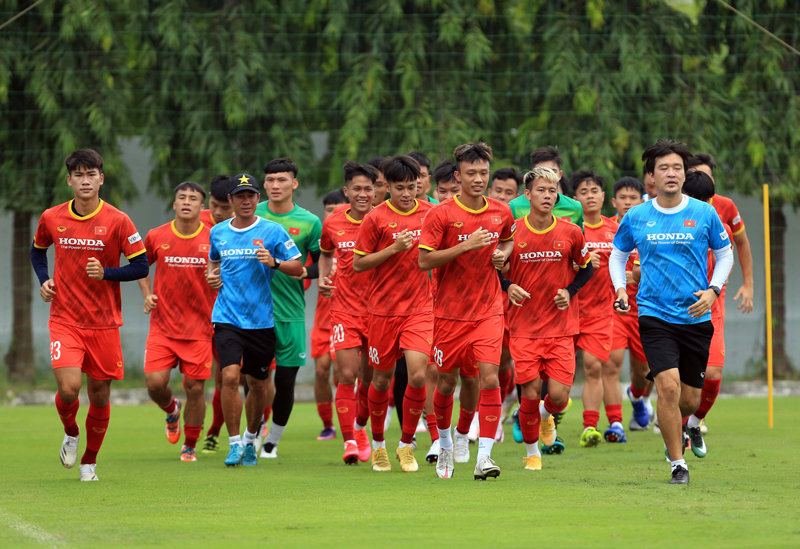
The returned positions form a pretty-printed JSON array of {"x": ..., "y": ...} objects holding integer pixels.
[{"x": 244, "y": 179}]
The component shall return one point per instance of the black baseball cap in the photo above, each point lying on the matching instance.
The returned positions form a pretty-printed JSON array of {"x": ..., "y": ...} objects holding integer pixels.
[{"x": 244, "y": 182}]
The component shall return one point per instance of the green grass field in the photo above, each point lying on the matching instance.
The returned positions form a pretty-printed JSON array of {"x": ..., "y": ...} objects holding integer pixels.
[{"x": 745, "y": 493}]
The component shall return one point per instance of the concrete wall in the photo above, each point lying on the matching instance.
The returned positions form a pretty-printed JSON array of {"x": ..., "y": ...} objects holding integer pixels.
[{"x": 745, "y": 334}]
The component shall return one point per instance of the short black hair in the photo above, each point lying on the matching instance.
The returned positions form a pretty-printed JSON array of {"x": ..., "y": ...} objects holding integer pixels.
[
  {"x": 698, "y": 185},
  {"x": 629, "y": 182},
  {"x": 190, "y": 185},
  {"x": 402, "y": 167},
  {"x": 220, "y": 187},
  {"x": 546, "y": 154},
  {"x": 84, "y": 158},
  {"x": 508, "y": 173},
  {"x": 352, "y": 168},
  {"x": 279, "y": 165},
  {"x": 702, "y": 158},
  {"x": 444, "y": 172},
  {"x": 375, "y": 162},
  {"x": 582, "y": 176},
  {"x": 473, "y": 152},
  {"x": 662, "y": 148},
  {"x": 421, "y": 159},
  {"x": 334, "y": 197},
  {"x": 563, "y": 185}
]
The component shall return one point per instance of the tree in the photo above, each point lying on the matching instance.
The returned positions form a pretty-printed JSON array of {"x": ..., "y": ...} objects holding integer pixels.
[{"x": 63, "y": 86}]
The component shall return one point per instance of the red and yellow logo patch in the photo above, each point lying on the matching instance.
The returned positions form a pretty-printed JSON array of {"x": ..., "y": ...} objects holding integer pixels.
[
  {"x": 458, "y": 224},
  {"x": 294, "y": 230},
  {"x": 688, "y": 223},
  {"x": 522, "y": 244},
  {"x": 61, "y": 228},
  {"x": 258, "y": 242},
  {"x": 165, "y": 246},
  {"x": 392, "y": 225},
  {"x": 559, "y": 245},
  {"x": 340, "y": 233},
  {"x": 205, "y": 247},
  {"x": 119, "y": 364},
  {"x": 100, "y": 231},
  {"x": 496, "y": 220}
]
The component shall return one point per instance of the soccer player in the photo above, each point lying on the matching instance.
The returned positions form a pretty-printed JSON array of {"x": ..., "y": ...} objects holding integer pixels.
[
  {"x": 649, "y": 185},
  {"x": 180, "y": 315},
  {"x": 347, "y": 290},
  {"x": 596, "y": 320},
  {"x": 424, "y": 178},
  {"x": 672, "y": 234},
  {"x": 542, "y": 328},
  {"x": 447, "y": 185},
  {"x": 381, "y": 188},
  {"x": 505, "y": 185},
  {"x": 288, "y": 293},
  {"x": 400, "y": 305},
  {"x": 463, "y": 239},
  {"x": 628, "y": 192},
  {"x": 85, "y": 313},
  {"x": 244, "y": 255},
  {"x": 322, "y": 350}
]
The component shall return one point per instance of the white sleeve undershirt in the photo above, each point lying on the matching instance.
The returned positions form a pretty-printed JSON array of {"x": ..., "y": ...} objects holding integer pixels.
[{"x": 616, "y": 267}]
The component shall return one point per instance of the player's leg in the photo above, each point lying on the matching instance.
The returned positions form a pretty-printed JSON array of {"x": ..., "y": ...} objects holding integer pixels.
[
  {"x": 528, "y": 362},
  {"x": 694, "y": 347},
  {"x": 160, "y": 392},
  {"x": 487, "y": 345},
  {"x": 592, "y": 398},
  {"x": 668, "y": 385},
  {"x": 68, "y": 380},
  {"x": 365, "y": 373},
  {"x": 468, "y": 404},
  {"x": 254, "y": 412},
  {"x": 446, "y": 382},
  {"x": 558, "y": 369},
  {"x": 413, "y": 404},
  {"x": 349, "y": 362},
  {"x": 397, "y": 392},
  {"x": 612, "y": 398},
  {"x": 211, "y": 442},
  {"x": 230, "y": 342},
  {"x": 505, "y": 375},
  {"x": 713, "y": 378},
  {"x": 193, "y": 415},
  {"x": 99, "y": 391}
]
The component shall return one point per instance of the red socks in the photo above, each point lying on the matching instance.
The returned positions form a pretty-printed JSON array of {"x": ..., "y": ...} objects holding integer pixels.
[
  {"x": 218, "y": 419},
  {"x": 707, "y": 397},
  {"x": 464, "y": 420},
  {"x": 413, "y": 408},
  {"x": 636, "y": 393},
  {"x": 489, "y": 412},
  {"x": 552, "y": 408},
  {"x": 378, "y": 402},
  {"x": 430, "y": 419},
  {"x": 391, "y": 394},
  {"x": 362, "y": 407},
  {"x": 529, "y": 420},
  {"x": 590, "y": 418},
  {"x": 346, "y": 410},
  {"x": 325, "y": 411},
  {"x": 171, "y": 407},
  {"x": 67, "y": 413},
  {"x": 443, "y": 408},
  {"x": 505, "y": 378},
  {"x": 96, "y": 426},
  {"x": 614, "y": 413},
  {"x": 192, "y": 433},
  {"x": 267, "y": 413}
]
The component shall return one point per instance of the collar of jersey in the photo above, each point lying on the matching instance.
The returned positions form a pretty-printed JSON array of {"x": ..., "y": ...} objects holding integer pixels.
[
  {"x": 84, "y": 217},
  {"x": 674, "y": 210},
  {"x": 231, "y": 227},
  {"x": 547, "y": 230},
  {"x": 270, "y": 212},
  {"x": 409, "y": 212},
  {"x": 184, "y": 236},
  {"x": 470, "y": 210},
  {"x": 587, "y": 224},
  {"x": 350, "y": 219}
]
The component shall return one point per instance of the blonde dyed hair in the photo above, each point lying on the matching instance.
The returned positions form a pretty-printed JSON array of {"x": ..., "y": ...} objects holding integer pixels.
[{"x": 545, "y": 173}]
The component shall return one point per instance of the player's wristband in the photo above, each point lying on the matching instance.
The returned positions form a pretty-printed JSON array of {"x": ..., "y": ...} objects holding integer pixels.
[
  {"x": 277, "y": 263},
  {"x": 716, "y": 289}
]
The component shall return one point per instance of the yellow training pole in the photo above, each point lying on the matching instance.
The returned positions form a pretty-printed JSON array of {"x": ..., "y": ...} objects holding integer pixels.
[{"x": 769, "y": 303}]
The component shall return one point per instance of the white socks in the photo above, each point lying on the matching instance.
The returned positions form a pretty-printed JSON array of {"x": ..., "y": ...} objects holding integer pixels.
[
  {"x": 485, "y": 447},
  {"x": 235, "y": 440},
  {"x": 275, "y": 433},
  {"x": 445, "y": 440},
  {"x": 543, "y": 411},
  {"x": 376, "y": 444},
  {"x": 249, "y": 438},
  {"x": 359, "y": 427},
  {"x": 533, "y": 449},
  {"x": 679, "y": 463},
  {"x": 693, "y": 422}
]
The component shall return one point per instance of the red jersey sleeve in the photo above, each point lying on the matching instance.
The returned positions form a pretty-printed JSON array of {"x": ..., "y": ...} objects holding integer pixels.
[
  {"x": 130, "y": 242},
  {"x": 509, "y": 225},
  {"x": 150, "y": 248},
  {"x": 43, "y": 239},
  {"x": 432, "y": 231},
  {"x": 579, "y": 251},
  {"x": 368, "y": 235},
  {"x": 325, "y": 243}
]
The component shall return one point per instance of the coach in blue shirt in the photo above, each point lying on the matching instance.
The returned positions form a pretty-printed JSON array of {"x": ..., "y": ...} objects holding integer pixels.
[
  {"x": 244, "y": 254},
  {"x": 673, "y": 234}
]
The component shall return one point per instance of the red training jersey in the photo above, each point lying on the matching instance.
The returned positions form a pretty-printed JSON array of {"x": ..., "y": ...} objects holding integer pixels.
[
  {"x": 541, "y": 264},
  {"x": 597, "y": 296},
  {"x": 728, "y": 213},
  {"x": 398, "y": 287},
  {"x": 207, "y": 219},
  {"x": 103, "y": 234},
  {"x": 339, "y": 234},
  {"x": 718, "y": 307},
  {"x": 467, "y": 288},
  {"x": 322, "y": 315},
  {"x": 185, "y": 299}
]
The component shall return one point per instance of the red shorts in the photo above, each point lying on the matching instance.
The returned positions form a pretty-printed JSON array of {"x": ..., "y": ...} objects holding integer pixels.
[
  {"x": 164, "y": 353},
  {"x": 551, "y": 358},
  {"x": 626, "y": 336},
  {"x": 506, "y": 333},
  {"x": 716, "y": 353},
  {"x": 98, "y": 353},
  {"x": 389, "y": 336},
  {"x": 348, "y": 331},
  {"x": 464, "y": 343},
  {"x": 322, "y": 343},
  {"x": 596, "y": 336}
]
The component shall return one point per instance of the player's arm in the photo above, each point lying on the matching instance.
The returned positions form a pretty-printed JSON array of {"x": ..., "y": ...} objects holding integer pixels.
[
  {"x": 616, "y": 268},
  {"x": 363, "y": 261},
  {"x": 39, "y": 261},
  {"x": 720, "y": 243},
  {"x": 433, "y": 259},
  {"x": 311, "y": 272},
  {"x": 515, "y": 292},
  {"x": 137, "y": 268},
  {"x": 565, "y": 295},
  {"x": 746, "y": 260},
  {"x": 150, "y": 299},
  {"x": 326, "y": 272},
  {"x": 502, "y": 253}
]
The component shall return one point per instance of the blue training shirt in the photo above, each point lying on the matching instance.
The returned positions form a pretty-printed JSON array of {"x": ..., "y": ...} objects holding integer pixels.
[
  {"x": 673, "y": 248},
  {"x": 245, "y": 298}
]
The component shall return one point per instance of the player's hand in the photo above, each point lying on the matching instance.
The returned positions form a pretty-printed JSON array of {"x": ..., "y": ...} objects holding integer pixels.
[
  {"x": 214, "y": 279},
  {"x": 94, "y": 269},
  {"x": 302, "y": 276},
  {"x": 595, "y": 255},
  {"x": 575, "y": 267},
  {"x": 628, "y": 277},
  {"x": 48, "y": 291},
  {"x": 621, "y": 303},
  {"x": 562, "y": 299},
  {"x": 746, "y": 293},
  {"x": 479, "y": 239},
  {"x": 326, "y": 287},
  {"x": 702, "y": 305},
  {"x": 516, "y": 294},
  {"x": 498, "y": 259},
  {"x": 403, "y": 241},
  {"x": 265, "y": 257},
  {"x": 150, "y": 303}
]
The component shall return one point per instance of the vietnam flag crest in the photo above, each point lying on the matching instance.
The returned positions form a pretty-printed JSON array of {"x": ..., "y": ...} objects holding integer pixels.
[
  {"x": 294, "y": 230},
  {"x": 496, "y": 220},
  {"x": 205, "y": 248},
  {"x": 559, "y": 245},
  {"x": 258, "y": 242},
  {"x": 688, "y": 223},
  {"x": 100, "y": 231}
]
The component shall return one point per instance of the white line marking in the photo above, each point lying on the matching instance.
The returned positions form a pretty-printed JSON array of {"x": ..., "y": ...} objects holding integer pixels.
[{"x": 29, "y": 530}]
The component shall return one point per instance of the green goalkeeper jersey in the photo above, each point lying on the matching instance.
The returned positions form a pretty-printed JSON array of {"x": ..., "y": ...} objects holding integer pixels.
[{"x": 565, "y": 208}]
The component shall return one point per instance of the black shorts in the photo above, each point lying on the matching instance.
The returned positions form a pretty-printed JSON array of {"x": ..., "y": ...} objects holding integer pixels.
[
  {"x": 254, "y": 349},
  {"x": 681, "y": 346}
]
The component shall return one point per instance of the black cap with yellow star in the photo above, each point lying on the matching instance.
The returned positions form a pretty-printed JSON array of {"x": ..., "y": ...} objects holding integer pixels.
[{"x": 244, "y": 182}]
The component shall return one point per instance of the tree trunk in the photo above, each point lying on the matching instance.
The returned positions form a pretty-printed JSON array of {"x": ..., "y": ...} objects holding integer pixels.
[
  {"x": 782, "y": 366},
  {"x": 19, "y": 357}
]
